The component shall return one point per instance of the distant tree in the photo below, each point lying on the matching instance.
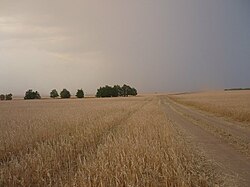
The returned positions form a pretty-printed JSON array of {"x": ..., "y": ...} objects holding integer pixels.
[
  {"x": 2, "y": 97},
  {"x": 80, "y": 93},
  {"x": 65, "y": 94},
  {"x": 107, "y": 91},
  {"x": 116, "y": 91},
  {"x": 133, "y": 92},
  {"x": 126, "y": 90},
  {"x": 54, "y": 94},
  {"x": 30, "y": 94},
  {"x": 99, "y": 92},
  {"x": 8, "y": 97}
]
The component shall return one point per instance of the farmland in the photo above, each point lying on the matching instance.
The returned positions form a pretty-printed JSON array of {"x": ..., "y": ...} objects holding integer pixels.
[
  {"x": 96, "y": 142},
  {"x": 230, "y": 104},
  {"x": 218, "y": 123},
  {"x": 149, "y": 140}
]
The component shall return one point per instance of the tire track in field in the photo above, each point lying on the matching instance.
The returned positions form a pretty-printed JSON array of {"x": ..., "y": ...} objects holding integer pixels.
[
  {"x": 90, "y": 148},
  {"x": 235, "y": 135},
  {"x": 8, "y": 156},
  {"x": 230, "y": 161},
  {"x": 101, "y": 139}
]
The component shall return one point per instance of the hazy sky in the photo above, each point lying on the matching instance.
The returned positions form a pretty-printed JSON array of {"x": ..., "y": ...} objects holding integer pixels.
[{"x": 153, "y": 45}]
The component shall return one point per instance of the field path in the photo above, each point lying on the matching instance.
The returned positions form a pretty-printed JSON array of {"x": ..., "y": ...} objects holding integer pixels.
[{"x": 225, "y": 143}]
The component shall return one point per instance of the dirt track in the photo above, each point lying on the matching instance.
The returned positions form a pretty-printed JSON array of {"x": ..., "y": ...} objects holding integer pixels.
[{"x": 226, "y": 143}]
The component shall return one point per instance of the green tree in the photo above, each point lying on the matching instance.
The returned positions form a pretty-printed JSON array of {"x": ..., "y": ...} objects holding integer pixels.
[
  {"x": 54, "y": 94},
  {"x": 80, "y": 93},
  {"x": 2, "y": 97},
  {"x": 30, "y": 94},
  {"x": 99, "y": 92},
  {"x": 116, "y": 91},
  {"x": 133, "y": 92},
  {"x": 106, "y": 91},
  {"x": 8, "y": 97},
  {"x": 65, "y": 94},
  {"x": 126, "y": 90}
]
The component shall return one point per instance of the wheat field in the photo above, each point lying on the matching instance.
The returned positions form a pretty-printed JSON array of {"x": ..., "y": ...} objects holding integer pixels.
[
  {"x": 231, "y": 104},
  {"x": 96, "y": 142}
]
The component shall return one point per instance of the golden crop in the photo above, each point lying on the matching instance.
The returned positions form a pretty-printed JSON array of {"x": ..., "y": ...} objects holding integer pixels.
[
  {"x": 232, "y": 104},
  {"x": 96, "y": 142}
]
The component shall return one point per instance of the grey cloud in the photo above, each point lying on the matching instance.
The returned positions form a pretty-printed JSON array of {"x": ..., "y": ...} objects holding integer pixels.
[{"x": 162, "y": 45}]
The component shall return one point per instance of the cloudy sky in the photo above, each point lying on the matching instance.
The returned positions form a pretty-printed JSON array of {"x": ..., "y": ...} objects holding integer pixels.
[{"x": 153, "y": 45}]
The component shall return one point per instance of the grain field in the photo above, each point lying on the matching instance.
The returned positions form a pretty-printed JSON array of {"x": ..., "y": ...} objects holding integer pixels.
[
  {"x": 97, "y": 142},
  {"x": 230, "y": 104}
]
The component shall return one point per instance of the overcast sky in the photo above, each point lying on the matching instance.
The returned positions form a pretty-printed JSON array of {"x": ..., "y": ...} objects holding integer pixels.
[{"x": 153, "y": 45}]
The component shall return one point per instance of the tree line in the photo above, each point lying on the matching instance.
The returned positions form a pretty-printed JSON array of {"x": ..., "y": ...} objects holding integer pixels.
[
  {"x": 6, "y": 97},
  {"x": 64, "y": 94},
  {"x": 106, "y": 91},
  {"x": 236, "y": 89},
  {"x": 116, "y": 91}
]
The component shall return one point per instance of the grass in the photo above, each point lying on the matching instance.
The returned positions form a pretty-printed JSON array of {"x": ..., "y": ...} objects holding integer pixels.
[
  {"x": 230, "y": 104},
  {"x": 96, "y": 142}
]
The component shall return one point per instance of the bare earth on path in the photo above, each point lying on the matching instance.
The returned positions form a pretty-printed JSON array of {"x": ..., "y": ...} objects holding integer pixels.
[{"x": 222, "y": 141}]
